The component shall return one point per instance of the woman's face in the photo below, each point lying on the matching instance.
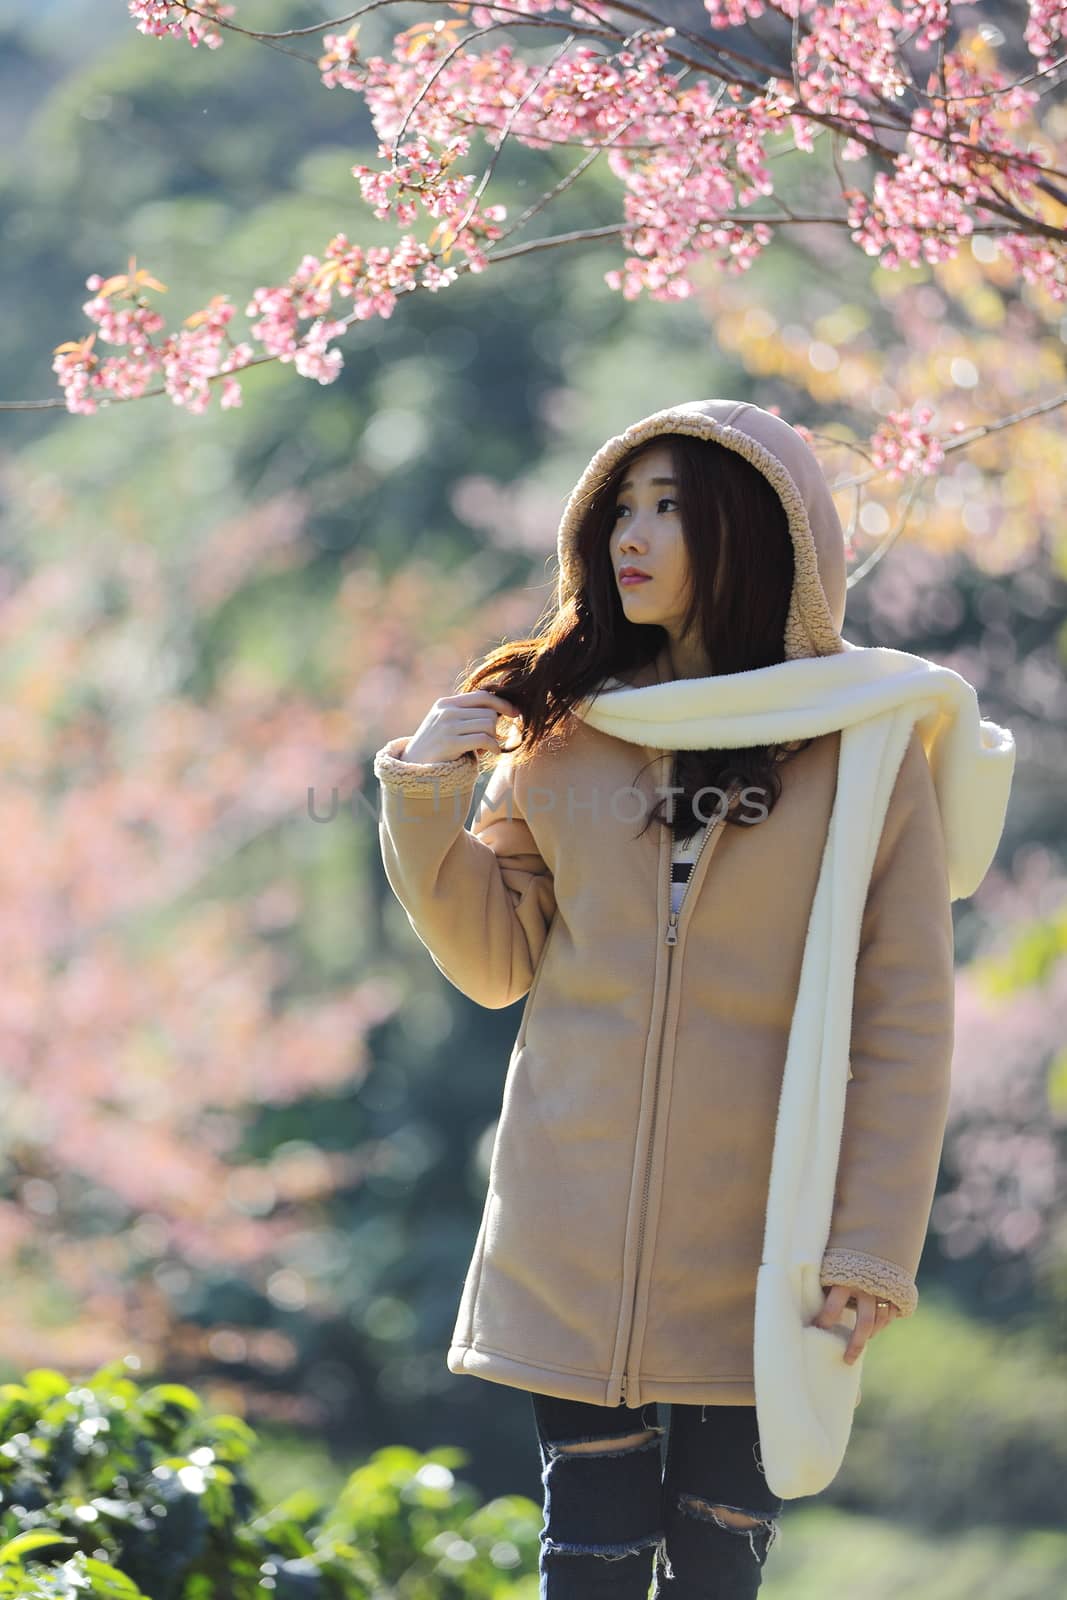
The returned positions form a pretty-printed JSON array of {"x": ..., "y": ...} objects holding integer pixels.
[{"x": 647, "y": 534}]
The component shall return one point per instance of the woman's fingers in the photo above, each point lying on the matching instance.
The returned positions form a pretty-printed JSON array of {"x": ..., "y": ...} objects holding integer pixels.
[
  {"x": 870, "y": 1317},
  {"x": 477, "y": 713},
  {"x": 837, "y": 1298},
  {"x": 865, "y": 1314},
  {"x": 481, "y": 697},
  {"x": 458, "y": 723},
  {"x": 478, "y": 725}
]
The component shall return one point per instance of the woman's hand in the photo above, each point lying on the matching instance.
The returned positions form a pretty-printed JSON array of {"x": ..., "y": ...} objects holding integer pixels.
[
  {"x": 870, "y": 1317},
  {"x": 457, "y": 723}
]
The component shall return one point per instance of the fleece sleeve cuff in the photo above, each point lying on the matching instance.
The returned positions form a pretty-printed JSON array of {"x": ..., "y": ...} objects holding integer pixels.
[
  {"x": 872, "y": 1274},
  {"x": 423, "y": 777}
]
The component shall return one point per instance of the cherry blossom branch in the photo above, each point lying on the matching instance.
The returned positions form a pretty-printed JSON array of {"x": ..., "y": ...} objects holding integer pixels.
[
  {"x": 535, "y": 83},
  {"x": 520, "y": 18},
  {"x": 929, "y": 455},
  {"x": 827, "y": 128},
  {"x": 580, "y": 235},
  {"x": 575, "y": 236},
  {"x": 511, "y": 11},
  {"x": 459, "y": 48},
  {"x": 565, "y": 183},
  {"x": 836, "y": 122},
  {"x": 959, "y": 440},
  {"x": 677, "y": 191},
  {"x": 904, "y": 124},
  {"x": 630, "y": 7},
  {"x": 887, "y": 542}
]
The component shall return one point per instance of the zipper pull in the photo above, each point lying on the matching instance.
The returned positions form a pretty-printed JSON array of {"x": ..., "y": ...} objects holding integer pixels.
[
  {"x": 672, "y": 930},
  {"x": 623, "y": 1394}
]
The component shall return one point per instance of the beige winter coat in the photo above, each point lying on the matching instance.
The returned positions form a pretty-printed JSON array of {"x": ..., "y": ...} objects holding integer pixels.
[{"x": 621, "y": 1234}]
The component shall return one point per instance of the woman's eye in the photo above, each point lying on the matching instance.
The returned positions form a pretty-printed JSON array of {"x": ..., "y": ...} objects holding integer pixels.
[{"x": 663, "y": 497}]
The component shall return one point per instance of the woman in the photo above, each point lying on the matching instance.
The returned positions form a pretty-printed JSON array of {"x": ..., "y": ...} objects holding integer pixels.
[{"x": 723, "y": 1113}]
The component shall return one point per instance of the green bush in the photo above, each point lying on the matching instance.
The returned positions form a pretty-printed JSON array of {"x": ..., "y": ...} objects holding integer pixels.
[
  {"x": 959, "y": 1425},
  {"x": 821, "y": 1554},
  {"x": 109, "y": 1491},
  {"x": 148, "y": 1499}
]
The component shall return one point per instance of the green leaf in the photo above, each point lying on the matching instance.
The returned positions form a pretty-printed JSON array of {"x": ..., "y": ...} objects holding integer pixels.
[
  {"x": 230, "y": 1437},
  {"x": 301, "y": 1505},
  {"x": 109, "y": 1583},
  {"x": 171, "y": 1394},
  {"x": 43, "y": 1384},
  {"x": 34, "y": 1539}
]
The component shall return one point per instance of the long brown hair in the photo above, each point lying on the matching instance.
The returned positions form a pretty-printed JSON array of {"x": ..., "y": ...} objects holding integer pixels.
[{"x": 733, "y": 519}]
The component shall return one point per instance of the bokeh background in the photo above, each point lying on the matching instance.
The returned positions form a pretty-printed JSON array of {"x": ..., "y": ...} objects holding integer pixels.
[{"x": 244, "y": 1122}]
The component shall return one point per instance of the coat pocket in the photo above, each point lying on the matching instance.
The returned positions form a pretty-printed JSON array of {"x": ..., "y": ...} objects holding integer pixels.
[
  {"x": 806, "y": 1392},
  {"x": 824, "y": 1358}
]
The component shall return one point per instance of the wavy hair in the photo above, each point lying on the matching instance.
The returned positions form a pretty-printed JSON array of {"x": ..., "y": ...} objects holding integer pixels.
[{"x": 734, "y": 524}]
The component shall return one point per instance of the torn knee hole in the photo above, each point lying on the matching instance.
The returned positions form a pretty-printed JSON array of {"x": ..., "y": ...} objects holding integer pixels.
[
  {"x": 725, "y": 1516},
  {"x": 613, "y": 1446},
  {"x": 603, "y": 1552}
]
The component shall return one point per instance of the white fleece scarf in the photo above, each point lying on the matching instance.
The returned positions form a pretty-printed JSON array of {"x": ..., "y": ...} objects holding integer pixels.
[
  {"x": 805, "y": 1391},
  {"x": 971, "y": 759}
]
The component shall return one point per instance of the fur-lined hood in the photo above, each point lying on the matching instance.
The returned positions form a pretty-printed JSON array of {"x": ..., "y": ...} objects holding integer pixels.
[{"x": 817, "y": 605}]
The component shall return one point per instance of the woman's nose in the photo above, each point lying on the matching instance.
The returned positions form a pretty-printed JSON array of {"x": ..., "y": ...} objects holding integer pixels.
[{"x": 634, "y": 538}]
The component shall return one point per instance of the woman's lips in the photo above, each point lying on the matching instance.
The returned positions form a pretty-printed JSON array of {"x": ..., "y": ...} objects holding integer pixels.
[{"x": 634, "y": 577}]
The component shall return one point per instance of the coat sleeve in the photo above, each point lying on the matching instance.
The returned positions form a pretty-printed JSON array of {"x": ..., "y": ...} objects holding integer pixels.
[
  {"x": 896, "y": 1102},
  {"x": 481, "y": 899}
]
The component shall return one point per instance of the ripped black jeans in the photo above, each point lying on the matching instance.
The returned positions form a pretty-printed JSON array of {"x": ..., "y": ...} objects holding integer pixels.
[{"x": 703, "y": 1522}]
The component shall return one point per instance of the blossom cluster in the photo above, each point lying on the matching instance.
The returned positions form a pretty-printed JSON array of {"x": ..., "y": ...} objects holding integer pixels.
[
  {"x": 160, "y": 20},
  {"x": 201, "y": 351},
  {"x": 695, "y": 150},
  {"x": 1045, "y": 28},
  {"x": 923, "y": 209},
  {"x": 693, "y": 158},
  {"x": 905, "y": 444},
  {"x": 186, "y": 360},
  {"x": 690, "y": 156},
  {"x": 419, "y": 176}
]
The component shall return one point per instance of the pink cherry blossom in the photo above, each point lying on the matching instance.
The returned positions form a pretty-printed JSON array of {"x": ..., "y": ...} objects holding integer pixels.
[
  {"x": 690, "y": 152},
  {"x": 904, "y": 443},
  {"x": 160, "y": 19}
]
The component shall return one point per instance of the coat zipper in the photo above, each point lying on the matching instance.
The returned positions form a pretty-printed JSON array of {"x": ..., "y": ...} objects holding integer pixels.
[{"x": 670, "y": 939}]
